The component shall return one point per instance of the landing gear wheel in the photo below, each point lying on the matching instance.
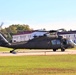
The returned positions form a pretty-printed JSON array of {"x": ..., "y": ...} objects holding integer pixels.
[
  {"x": 63, "y": 49},
  {"x": 54, "y": 50}
]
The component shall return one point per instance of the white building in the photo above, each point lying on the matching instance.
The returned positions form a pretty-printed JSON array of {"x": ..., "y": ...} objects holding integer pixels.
[
  {"x": 69, "y": 34},
  {"x": 27, "y": 35}
]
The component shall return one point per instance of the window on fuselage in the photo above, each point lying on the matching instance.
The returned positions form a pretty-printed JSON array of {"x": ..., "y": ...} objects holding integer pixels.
[
  {"x": 64, "y": 41},
  {"x": 58, "y": 42},
  {"x": 55, "y": 42}
]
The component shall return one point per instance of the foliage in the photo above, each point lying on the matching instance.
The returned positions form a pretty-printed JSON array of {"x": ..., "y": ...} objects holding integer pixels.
[
  {"x": 14, "y": 29},
  {"x": 38, "y": 65}
]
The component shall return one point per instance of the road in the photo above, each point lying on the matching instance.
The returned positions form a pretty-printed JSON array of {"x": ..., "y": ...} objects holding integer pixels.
[{"x": 37, "y": 52}]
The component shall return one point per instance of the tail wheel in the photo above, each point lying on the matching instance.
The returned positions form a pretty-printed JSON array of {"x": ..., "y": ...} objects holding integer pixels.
[
  {"x": 63, "y": 49},
  {"x": 54, "y": 50},
  {"x": 11, "y": 51}
]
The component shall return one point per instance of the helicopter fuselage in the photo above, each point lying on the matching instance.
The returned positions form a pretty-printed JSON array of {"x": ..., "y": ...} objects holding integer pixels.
[{"x": 42, "y": 42}]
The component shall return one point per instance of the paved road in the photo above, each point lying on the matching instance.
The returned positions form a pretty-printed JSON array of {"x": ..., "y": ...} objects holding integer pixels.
[{"x": 37, "y": 52}]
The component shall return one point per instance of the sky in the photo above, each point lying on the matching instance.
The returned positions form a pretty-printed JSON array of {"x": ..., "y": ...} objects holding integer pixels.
[{"x": 39, "y": 14}]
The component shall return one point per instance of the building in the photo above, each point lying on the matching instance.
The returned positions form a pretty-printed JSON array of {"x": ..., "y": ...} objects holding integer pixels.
[
  {"x": 69, "y": 34},
  {"x": 27, "y": 35}
]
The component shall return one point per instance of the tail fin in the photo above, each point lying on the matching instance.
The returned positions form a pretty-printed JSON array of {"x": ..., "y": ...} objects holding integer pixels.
[{"x": 3, "y": 41}]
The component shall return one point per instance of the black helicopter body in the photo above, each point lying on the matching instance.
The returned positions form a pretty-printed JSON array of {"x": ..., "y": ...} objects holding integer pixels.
[{"x": 40, "y": 42}]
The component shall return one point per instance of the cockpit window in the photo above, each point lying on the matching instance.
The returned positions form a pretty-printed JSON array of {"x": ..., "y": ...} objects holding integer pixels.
[{"x": 55, "y": 42}]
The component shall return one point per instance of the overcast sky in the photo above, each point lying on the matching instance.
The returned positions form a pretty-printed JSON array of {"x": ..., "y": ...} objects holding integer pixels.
[{"x": 39, "y": 14}]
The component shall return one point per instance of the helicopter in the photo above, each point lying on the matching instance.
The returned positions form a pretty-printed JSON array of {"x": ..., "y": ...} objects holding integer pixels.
[{"x": 50, "y": 40}]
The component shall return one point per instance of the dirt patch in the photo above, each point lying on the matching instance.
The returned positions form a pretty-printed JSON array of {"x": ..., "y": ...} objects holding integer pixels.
[
  {"x": 55, "y": 70},
  {"x": 48, "y": 71}
]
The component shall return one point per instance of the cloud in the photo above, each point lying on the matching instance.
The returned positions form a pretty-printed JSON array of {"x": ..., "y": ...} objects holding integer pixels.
[
  {"x": 10, "y": 22},
  {"x": 48, "y": 26},
  {"x": 56, "y": 25}
]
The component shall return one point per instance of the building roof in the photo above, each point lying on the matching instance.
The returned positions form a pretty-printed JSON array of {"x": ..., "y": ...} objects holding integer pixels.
[
  {"x": 29, "y": 32},
  {"x": 67, "y": 32}
]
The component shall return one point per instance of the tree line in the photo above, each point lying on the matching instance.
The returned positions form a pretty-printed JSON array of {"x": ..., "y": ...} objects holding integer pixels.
[
  {"x": 14, "y": 29},
  {"x": 17, "y": 28}
]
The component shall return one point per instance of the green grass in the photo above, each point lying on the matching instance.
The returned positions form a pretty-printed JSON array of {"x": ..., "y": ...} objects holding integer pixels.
[
  {"x": 38, "y": 65},
  {"x": 4, "y": 49}
]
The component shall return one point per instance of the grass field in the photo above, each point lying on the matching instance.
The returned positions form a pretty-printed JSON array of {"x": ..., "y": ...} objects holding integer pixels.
[
  {"x": 38, "y": 65},
  {"x": 4, "y": 49}
]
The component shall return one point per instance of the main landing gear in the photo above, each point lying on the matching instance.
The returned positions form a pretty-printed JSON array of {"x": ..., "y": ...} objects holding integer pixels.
[
  {"x": 62, "y": 49},
  {"x": 54, "y": 50}
]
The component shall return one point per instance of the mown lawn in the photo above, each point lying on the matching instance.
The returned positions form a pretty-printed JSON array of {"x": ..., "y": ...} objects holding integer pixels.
[
  {"x": 4, "y": 49},
  {"x": 38, "y": 65}
]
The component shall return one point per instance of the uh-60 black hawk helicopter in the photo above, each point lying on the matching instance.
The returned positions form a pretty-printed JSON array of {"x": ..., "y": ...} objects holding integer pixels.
[{"x": 52, "y": 41}]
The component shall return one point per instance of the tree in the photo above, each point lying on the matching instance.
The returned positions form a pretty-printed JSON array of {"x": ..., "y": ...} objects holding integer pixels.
[{"x": 14, "y": 29}]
